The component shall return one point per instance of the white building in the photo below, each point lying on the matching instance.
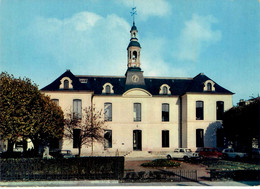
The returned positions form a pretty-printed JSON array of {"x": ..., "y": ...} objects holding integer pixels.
[{"x": 145, "y": 114}]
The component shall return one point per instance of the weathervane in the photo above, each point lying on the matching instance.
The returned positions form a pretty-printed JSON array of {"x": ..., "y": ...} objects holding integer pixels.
[{"x": 133, "y": 13}]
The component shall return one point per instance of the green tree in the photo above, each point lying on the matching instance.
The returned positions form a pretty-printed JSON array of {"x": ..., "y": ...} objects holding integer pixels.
[
  {"x": 26, "y": 113},
  {"x": 90, "y": 127},
  {"x": 242, "y": 123}
]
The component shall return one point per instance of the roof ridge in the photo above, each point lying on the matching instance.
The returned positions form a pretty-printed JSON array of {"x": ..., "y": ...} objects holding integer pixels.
[{"x": 146, "y": 77}]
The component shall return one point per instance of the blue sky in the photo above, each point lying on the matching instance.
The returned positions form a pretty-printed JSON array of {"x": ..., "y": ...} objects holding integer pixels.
[{"x": 40, "y": 39}]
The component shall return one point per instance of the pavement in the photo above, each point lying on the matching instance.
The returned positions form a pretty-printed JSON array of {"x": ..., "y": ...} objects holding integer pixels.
[{"x": 116, "y": 183}]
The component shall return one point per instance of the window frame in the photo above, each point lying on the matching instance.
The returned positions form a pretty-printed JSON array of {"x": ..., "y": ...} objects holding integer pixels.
[
  {"x": 77, "y": 114},
  {"x": 109, "y": 117},
  {"x": 76, "y": 139},
  {"x": 66, "y": 84},
  {"x": 108, "y": 143},
  {"x": 56, "y": 101},
  {"x": 199, "y": 139},
  {"x": 219, "y": 113},
  {"x": 137, "y": 117},
  {"x": 165, "y": 90},
  {"x": 165, "y": 138},
  {"x": 209, "y": 86},
  {"x": 108, "y": 89},
  {"x": 165, "y": 118},
  {"x": 199, "y": 110}
]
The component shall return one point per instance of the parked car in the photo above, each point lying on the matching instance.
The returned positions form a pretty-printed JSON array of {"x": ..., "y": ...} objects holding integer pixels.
[
  {"x": 182, "y": 153},
  {"x": 231, "y": 153},
  {"x": 209, "y": 153},
  {"x": 62, "y": 154}
]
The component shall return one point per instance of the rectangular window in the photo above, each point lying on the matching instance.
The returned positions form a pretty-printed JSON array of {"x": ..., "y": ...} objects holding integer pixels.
[
  {"x": 199, "y": 110},
  {"x": 165, "y": 139},
  {"x": 220, "y": 110},
  {"x": 56, "y": 101},
  {"x": 76, "y": 138},
  {"x": 199, "y": 138},
  {"x": 108, "y": 111},
  {"x": 137, "y": 112},
  {"x": 108, "y": 139},
  {"x": 77, "y": 106},
  {"x": 165, "y": 112}
]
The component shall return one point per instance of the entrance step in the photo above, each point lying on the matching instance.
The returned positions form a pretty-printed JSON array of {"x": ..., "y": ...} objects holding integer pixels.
[{"x": 138, "y": 154}]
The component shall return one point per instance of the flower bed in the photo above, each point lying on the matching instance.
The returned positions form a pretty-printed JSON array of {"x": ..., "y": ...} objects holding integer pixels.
[
  {"x": 162, "y": 163},
  {"x": 232, "y": 170}
]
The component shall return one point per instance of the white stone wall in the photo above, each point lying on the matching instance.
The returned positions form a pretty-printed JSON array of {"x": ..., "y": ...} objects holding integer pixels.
[
  {"x": 122, "y": 124},
  {"x": 209, "y": 123}
]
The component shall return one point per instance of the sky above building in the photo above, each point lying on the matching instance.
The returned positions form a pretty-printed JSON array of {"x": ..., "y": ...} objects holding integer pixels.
[{"x": 41, "y": 39}]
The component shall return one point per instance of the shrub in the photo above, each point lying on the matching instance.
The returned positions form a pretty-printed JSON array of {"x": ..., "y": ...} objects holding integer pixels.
[{"x": 162, "y": 163}]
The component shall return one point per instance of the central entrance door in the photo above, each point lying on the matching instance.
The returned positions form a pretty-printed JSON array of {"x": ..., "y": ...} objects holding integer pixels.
[{"x": 137, "y": 140}]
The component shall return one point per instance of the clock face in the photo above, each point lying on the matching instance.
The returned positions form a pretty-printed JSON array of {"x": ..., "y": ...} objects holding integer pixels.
[{"x": 135, "y": 78}]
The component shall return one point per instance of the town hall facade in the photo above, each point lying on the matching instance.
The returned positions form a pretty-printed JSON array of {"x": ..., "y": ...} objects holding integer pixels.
[{"x": 144, "y": 114}]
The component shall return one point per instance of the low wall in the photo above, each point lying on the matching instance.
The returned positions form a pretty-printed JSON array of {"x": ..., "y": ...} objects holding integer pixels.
[{"x": 62, "y": 169}]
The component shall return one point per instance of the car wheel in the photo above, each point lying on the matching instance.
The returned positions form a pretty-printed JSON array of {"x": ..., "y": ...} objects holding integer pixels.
[
  {"x": 185, "y": 158},
  {"x": 237, "y": 157},
  {"x": 169, "y": 157}
]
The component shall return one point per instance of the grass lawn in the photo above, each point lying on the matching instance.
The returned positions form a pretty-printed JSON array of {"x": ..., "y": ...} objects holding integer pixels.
[{"x": 226, "y": 165}]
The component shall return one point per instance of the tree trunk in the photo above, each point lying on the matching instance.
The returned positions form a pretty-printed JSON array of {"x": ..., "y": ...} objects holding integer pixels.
[
  {"x": 24, "y": 145},
  {"x": 36, "y": 145},
  {"x": 10, "y": 146},
  {"x": 79, "y": 148},
  {"x": 92, "y": 147}
]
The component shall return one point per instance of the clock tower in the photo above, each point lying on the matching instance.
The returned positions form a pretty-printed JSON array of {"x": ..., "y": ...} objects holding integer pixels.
[
  {"x": 133, "y": 49},
  {"x": 134, "y": 74}
]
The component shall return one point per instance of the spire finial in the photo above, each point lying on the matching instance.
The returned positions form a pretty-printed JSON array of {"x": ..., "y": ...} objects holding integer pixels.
[{"x": 133, "y": 13}]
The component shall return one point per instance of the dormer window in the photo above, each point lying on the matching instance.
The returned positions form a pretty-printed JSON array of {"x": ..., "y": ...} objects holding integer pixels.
[
  {"x": 165, "y": 90},
  {"x": 66, "y": 83},
  {"x": 108, "y": 89},
  {"x": 209, "y": 86}
]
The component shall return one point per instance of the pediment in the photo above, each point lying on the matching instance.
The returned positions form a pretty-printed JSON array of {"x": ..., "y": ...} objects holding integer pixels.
[{"x": 137, "y": 92}]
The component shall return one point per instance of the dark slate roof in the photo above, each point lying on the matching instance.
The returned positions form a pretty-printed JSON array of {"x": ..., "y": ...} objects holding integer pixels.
[
  {"x": 197, "y": 85},
  {"x": 133, "y": 27},
  {"x": 77, "y": 85},
  {"x": 178, "y": 86},
  {"x": 134, "y": 43}
]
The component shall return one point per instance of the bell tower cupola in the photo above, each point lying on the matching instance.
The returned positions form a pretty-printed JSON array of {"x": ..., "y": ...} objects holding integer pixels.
[
  {"x": 134, "y": 74},
  {"x": 134, "y": 49}
]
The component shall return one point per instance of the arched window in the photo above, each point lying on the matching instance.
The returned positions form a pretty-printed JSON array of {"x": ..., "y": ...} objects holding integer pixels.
[
  {"x": 134, "y": 55},
  {"x": 108, "y": 89},
  {"x": 209, "y": 87},
  {"x": 165, "y": 90},
  {"x": 66, "y": 84}
]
